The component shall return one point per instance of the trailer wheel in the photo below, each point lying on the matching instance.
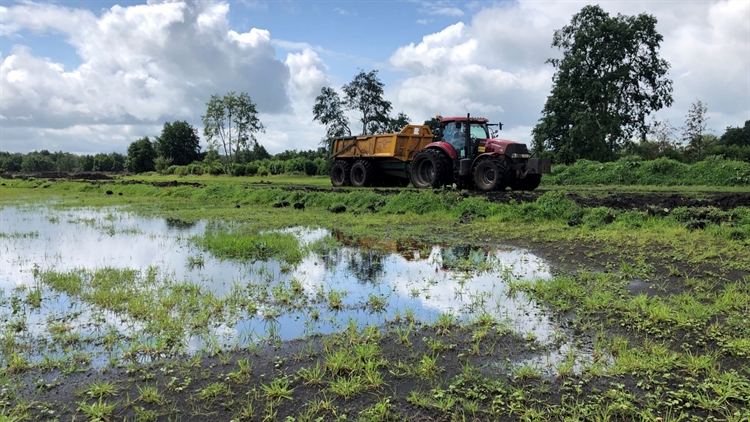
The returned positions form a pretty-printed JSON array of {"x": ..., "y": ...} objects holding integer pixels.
[
  {"x": 362, "y": 173},
  {"x": 530, "y": 182},
  {"x": 340, "y": 173},
  {"x": 491, "y": 174},
  {"x": 429, "y": 169}
]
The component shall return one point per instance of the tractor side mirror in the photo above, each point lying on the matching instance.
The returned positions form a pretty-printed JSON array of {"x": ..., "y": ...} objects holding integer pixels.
[{"x": 499, "y": 126}]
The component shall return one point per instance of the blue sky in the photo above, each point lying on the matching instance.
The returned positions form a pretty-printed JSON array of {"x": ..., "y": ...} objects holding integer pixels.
[{"x": 93, "y": 76}]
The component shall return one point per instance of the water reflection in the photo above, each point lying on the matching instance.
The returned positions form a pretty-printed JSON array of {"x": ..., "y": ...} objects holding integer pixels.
[{"x": 336, "y": 283}]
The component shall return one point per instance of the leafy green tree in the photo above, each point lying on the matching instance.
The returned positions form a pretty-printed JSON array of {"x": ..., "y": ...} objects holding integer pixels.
[
  {"x": 86, "y": 162},
  {"x": 365, "y": 95},
  {"x": 608, "y": 81},
  {"x": 230, "y": 123},
  {"x": 179, "y": 142},
  {"x": 37, "y": 161},
  {"x": 329, "y": 111},
  {"x": 10, "y": 161},
  {"x": 391, "y": 125},
  {"x": 739, "y": 136},
  {"x": 109, "y": 162},
  {"x": 694, "y": 130},
  {"x": 65, "y": 161},
  {"x": 141, "y": 155}
]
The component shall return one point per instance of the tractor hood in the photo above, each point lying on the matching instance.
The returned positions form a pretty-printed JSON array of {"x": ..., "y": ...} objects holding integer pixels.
[{"x": 512, "y": 149}]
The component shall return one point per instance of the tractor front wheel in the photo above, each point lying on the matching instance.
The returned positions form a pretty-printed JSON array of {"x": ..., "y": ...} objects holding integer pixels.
[
  {"x": 491, "y": 174},
  {"x": 340, "y": 173}
]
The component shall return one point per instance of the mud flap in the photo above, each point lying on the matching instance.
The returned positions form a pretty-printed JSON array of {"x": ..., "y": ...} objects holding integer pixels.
[{"x": 539, "y": 165}]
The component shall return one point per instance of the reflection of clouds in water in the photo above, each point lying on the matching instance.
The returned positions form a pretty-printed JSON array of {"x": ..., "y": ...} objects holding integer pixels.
[{"x": 426, "y": 285}]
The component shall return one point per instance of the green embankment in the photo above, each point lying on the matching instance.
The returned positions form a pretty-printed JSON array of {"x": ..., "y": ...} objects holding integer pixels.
[{"x": 659, "y": 172}]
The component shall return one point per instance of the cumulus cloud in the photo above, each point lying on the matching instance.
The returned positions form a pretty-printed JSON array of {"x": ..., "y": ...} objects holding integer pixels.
[
  {"x": 495, "y": 64},
  {"x": 139, "y": 65},
  {"x": 307, "y": 70}
]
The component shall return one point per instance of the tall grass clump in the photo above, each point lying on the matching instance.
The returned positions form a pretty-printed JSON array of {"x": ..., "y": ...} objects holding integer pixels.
[
  {"x": 243, "y": 244},
  {"x": 423, "y": 202}
]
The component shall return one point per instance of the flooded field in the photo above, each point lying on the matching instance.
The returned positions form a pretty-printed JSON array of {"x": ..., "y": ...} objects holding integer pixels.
[
  {"x": 99, "y": 286},
  {"x": 229, "y": 301}
]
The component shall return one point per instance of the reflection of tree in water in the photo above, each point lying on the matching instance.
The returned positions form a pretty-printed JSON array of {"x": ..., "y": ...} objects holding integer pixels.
[
  {"x": 365, "y": 265},
  {"x": 176, "y": 223},
  {"x": 463, "y": 257}
]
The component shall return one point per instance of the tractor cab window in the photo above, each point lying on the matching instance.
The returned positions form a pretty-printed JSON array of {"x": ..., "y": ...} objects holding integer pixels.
[
  {"x": 454, "y": 133},
  {"x": 479, "y": 131},
  {"x": 454, "y": 136}
]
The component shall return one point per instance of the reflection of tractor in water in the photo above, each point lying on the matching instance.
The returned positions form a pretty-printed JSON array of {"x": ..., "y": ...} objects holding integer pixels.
[{"x": 463, "y": 152}]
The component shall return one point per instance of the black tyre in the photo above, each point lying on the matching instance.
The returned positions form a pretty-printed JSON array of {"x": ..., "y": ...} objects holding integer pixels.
[
  {"x": 530, "y": 182},
  {"x": 362, "y": 174},
  {"x": 491, "y": 174},
  {"x": 430, "y": 169},
  {"x": 340, "y": 173}
]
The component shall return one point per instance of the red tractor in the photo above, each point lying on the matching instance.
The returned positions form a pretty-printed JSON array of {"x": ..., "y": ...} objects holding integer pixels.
[{"x": 465, "y": 153}]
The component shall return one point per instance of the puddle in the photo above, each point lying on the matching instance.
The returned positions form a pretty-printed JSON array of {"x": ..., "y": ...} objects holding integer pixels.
[{"x": 333, "y": 286}]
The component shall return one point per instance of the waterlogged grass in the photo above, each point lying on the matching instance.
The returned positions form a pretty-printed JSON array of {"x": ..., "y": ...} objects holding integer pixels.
[
  {"x": 244, "y": 244},
  {"x": 665, "y": 301}
]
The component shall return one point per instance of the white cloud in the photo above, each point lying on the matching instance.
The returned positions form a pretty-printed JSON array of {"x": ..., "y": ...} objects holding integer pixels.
[
  {"x": 140, "y": 65},
  {"x": 307, "y": 72},
  {"x": 495, "y": 65},
  {"x": 442, "y": 8},
  {"x": 344, "y": 12}
]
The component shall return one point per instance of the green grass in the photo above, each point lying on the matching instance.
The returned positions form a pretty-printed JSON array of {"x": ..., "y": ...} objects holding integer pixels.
[
  {"x": 659, "y": 172},
  {"x": 245, "y": 244}
]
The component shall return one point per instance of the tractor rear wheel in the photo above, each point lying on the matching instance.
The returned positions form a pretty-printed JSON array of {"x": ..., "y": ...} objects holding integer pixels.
[
  {"x": 530, "y": 182},
  {"x": 491, "y": 174},
  {"x": 429, "y": 169},
  {"x": 340, "y": 173},
  {"x": 362, "y": 174}
]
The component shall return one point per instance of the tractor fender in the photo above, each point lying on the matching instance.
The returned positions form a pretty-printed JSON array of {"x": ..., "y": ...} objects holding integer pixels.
[
  {"x": 443, "y": 146},
  {"x": 486, "y": 154}
]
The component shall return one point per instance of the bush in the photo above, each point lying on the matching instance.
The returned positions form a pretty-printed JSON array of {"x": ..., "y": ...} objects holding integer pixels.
[
  {"x": 251, "y": 169},
  {"x": 263, "y": 171},
  {"x": 161, "y": 164},
  {"x": 194, "y": 168},
  {"x": 214, "y": 169},
  {"x": 239, "y": 170}
]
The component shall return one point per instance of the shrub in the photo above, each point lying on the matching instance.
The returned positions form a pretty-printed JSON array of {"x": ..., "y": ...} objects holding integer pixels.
[
  {"x": 251, "y": 169},
  {"x": 238, "y": 170}
]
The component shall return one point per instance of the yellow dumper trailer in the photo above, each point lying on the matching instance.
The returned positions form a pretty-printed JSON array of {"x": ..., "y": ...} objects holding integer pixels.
[{"x": 381, "y": 160}]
